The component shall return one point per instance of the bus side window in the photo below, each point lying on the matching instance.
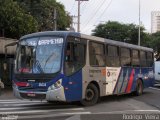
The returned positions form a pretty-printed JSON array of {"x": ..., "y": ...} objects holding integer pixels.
[
  {"x": 75, "y": 57},
  {"x": 112, "y": 56},
  {"x": 135, "y": 58},
  {"x": 143, "y": 59},
  {"x": 125, "y": 57},
  {"x": 69, "y": 52},
  {"x": 149, "y": 59},
  {"x": 97, "y": 54}
]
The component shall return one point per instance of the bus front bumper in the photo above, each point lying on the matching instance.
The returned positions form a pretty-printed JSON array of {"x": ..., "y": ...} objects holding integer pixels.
[
  {"x": 56, "y": 94},
  {"x": 50, "y": 95}
]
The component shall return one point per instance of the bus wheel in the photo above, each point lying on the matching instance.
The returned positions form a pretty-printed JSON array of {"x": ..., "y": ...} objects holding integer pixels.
[
  {"x": 91, "y": 95},
  {"x": 139, "y": 88}
]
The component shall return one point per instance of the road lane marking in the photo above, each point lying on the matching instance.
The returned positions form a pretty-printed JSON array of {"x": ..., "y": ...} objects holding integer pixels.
[
  {"x": 75, "y": 117},
  {"x": 53, "y": 115},
  {"x": 126, "y": 111},
  {"x": 154, "y": 88},
  {"x": 84, "y": 113},
  {"x": 35, "y": 107},
  {"x": 17, "y": 102},
  {"x": 39, "y": 111},
  {"x": 23, "y": 104},
  {"x": 10, "y": 100},
  {"x": 76, "y": 113},
  {"x": 157, "y": 85},
  {"x": 4, "y": 100}
]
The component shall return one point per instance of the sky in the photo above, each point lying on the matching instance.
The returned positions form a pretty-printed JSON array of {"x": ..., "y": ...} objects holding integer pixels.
[{"x": 94, "y": 12}]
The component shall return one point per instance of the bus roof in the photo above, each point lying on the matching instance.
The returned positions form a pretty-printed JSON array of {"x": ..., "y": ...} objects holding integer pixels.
[
  {"x": 117, "y": 43},
  {"x": 51, "y": 33},
  {"x": 88, "y": 37}
]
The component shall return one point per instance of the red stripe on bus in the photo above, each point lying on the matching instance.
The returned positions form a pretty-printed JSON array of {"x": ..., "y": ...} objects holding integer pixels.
[{"x": 129, "y": 86}]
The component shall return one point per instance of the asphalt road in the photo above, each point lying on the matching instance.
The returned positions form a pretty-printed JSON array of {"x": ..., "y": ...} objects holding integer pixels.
[{"x": 124, "y": 107}]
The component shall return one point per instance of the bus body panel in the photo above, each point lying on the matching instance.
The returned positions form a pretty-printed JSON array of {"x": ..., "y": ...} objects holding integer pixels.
[
  {"x": 94, "y": 74},
  {"x": 73, "y": 87},
  {"x": 119, "y": 80},
  {"x": 129, "y": 77}
]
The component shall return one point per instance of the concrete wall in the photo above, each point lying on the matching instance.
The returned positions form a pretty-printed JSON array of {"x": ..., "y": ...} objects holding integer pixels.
[{"x": 11, "y": 49}]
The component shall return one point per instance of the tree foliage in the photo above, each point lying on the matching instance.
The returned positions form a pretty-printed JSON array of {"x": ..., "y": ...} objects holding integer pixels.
[
  {"x": 43, "y": 12},
  {"x": 14, "y": 22},
  {"x": 155, "y": 44},
  {"x": 121, "y": 32},
  {"x": 20, "y": 17}
]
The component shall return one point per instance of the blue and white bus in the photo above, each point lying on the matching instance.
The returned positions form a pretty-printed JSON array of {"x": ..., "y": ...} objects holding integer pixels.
[{"x": 70, "y": 66}]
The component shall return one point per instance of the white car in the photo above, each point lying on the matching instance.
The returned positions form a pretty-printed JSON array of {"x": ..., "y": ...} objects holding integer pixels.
[{"x": 157, "y": 71}]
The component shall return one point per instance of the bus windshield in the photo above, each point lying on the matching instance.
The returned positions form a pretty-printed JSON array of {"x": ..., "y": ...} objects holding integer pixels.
[{"x": 39, "y": 55}]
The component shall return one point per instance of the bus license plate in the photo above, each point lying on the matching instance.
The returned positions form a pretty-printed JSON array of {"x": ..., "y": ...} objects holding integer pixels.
[{"x": 31, "y": 94}]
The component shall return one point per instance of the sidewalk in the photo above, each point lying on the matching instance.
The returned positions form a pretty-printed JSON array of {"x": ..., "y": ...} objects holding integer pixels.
[{"x": 6, "y": 94}]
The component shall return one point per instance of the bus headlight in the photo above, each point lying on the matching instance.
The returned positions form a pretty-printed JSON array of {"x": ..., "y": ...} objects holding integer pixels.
[{"x": 56, "y": 85}]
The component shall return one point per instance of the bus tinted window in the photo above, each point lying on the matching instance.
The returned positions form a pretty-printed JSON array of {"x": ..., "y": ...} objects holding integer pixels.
[
  {"x": 112, "y": 56},
  {"x": 135, "y": 58},
  {"x": 75, "y": 56},
  {"x": 125, "y": 57},
  {"x": 143, "y": 59},
  {"x": 97, "y": 54},
  {"x": 149, "y": 59}
]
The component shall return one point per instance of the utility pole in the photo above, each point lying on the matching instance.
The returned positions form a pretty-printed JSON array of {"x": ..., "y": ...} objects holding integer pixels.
[
  {"x": 78, "y": 23},
  {"x": 55, "y": 19},
  {"x": 78, "y": 27},
  {"x": 139, "y": 30}
]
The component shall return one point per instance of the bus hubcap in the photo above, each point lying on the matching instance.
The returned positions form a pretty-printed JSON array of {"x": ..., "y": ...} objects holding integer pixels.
[{"x": 89, "y": 94}]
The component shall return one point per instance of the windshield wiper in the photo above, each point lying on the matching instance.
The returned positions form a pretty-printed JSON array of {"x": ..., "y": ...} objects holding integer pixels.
[
  {"x": 38, "y": 66},
  {"x": 48, "y": 59}
]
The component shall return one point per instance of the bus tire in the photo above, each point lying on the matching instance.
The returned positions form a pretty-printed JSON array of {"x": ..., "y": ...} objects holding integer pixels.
[
  {"x": 139, "y": 88},
  {"x": 91, "y": 95}
]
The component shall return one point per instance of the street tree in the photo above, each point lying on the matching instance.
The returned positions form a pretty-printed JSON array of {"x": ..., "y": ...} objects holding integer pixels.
[
  {"x": 121, "y": 32},
  {"x": 155, "y": 44},
  {"x": 14, "y": 22},
  {"x": 43, "y": 12}
]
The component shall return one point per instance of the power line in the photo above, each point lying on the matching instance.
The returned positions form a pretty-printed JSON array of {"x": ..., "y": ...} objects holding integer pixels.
[
  {"x": 94, "y": 13},
  {"x": 101, "y": 14},
  {"x": 84, "y": 7},
  {"x": 104, "y": 11},
  {"x": 72, "y": 6},
  {"x": 91, "y": 3}
]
